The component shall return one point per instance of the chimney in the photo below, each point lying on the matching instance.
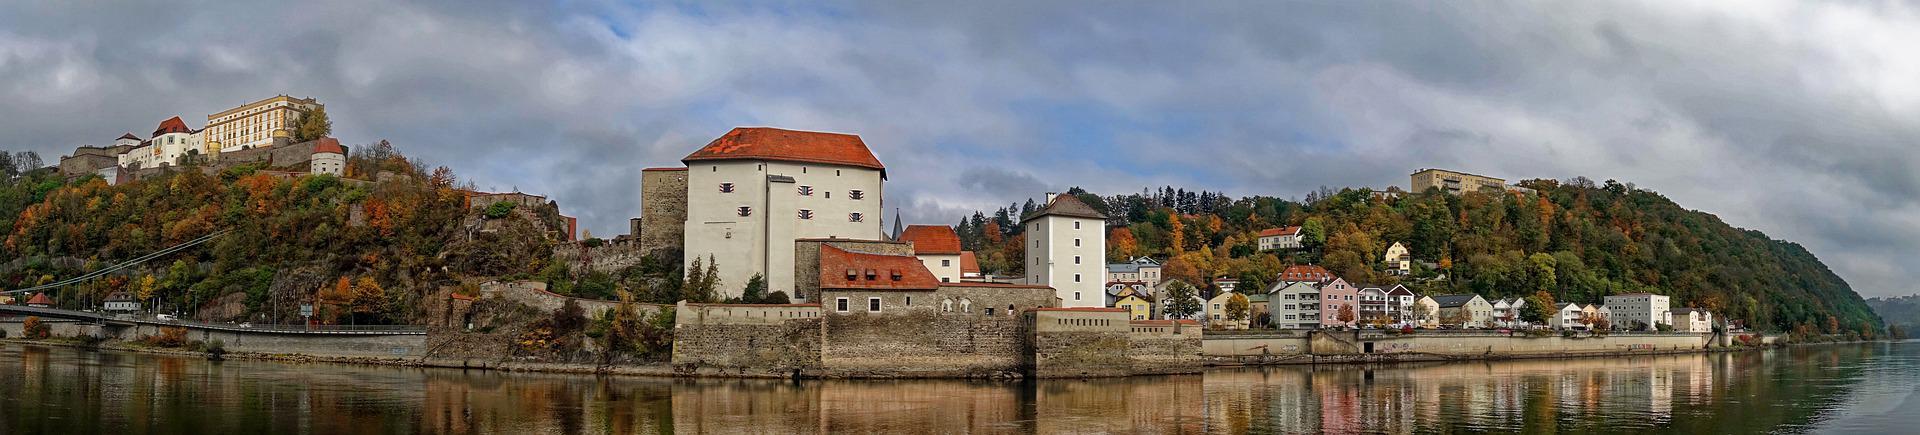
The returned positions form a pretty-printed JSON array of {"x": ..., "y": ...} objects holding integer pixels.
[{"x": 1049, "y": 200}]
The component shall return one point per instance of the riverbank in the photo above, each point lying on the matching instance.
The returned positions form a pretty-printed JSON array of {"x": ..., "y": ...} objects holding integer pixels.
[{"x": 665, "y": 370}]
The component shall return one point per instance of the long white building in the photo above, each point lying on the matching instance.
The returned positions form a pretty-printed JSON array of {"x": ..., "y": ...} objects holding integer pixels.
[
  {"x": 1067, "y": 250},
  {"x": 753, "y": 191}
]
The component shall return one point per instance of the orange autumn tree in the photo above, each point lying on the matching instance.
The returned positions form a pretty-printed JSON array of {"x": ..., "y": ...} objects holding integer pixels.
[{"x": 1121, "y": 245}]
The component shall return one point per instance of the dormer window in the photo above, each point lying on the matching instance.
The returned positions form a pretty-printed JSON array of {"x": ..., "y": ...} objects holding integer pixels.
[
  {"x": 745, "y": 211},
  {"x": 896, "y": 275},
  {"x": 872, "y": 275},
  {"x": 726, "y": 187},
  {"x": 806, "y": 190},
  {"x": 856, "y": 195},
  {"x": 853, "y": 274}
]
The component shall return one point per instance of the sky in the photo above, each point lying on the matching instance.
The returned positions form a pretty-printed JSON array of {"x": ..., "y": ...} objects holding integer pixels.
[{"x": 1801, "y": 120}]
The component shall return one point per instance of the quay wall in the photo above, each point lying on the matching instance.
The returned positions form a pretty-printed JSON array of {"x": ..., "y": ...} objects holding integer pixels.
[
  {"x": 319, "y": 345},
  {"x": 746, "y": 340},
  {"x": 924, "y": 343}
]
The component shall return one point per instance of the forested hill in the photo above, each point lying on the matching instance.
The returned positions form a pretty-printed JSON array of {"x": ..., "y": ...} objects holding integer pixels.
[
  {"x": 1575, "y": 240},
  {"x": 366, "y": 247}
]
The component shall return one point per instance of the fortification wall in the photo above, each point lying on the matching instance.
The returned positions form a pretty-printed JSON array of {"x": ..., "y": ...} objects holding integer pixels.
[
  {"x": 534, "y": 294},
  {"x": 663, "y": 210},
  {"x": 746, "y": 340},
  {"x": 609, "y": 257},
  {"x": 1164, "y": 353},
  {"x": 924, "y": 344}
]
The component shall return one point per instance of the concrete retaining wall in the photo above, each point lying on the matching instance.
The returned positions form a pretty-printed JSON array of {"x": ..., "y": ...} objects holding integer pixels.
[
  {"x": 320, "y": 345},
  {"x": 924, "y": 344}
]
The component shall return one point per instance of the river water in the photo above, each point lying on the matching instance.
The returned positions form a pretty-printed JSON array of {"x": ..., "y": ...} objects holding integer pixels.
[{"x": 1851, "y": 388}]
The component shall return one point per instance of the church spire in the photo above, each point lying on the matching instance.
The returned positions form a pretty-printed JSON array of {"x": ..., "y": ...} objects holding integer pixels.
[{"x": 896, "y": 224}]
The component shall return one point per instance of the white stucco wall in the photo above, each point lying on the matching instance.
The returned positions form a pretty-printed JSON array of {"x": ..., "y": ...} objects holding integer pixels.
[
  {"x": 763, "y": 241},
  {"x": 944, "y": 266},
  {"x": 1051, "y": 255}
]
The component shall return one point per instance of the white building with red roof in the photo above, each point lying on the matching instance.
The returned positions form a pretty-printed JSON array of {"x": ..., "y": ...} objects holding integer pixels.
[
  {"x": 171, "y": 140},
  {"x": 1067, "y": 250},
  {"x": 1279, "y": 238},
  {"x": 937, "y": 247},
  {"x": 752, "y": 192},
  {"x": 328, "y": 158}
]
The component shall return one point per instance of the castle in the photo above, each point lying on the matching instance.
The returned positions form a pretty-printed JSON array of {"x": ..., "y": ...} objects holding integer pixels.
[{"x": 261, "y": 131}]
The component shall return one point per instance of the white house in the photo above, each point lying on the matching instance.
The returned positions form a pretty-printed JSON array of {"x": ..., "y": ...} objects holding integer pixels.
[
  {"x": 1067, "y": 250},
  {"x": 1142, "y": 269},
  {"x": 1294, "y": 305},
  {"x": 1693, "y": 320},
  {"x": 1568, "y": 316},
  {"x": 753, "y": 191},
  {"x": 1646, "y": 309},
  {"x": 171, "y": 140},
  {"x": 1279, "y": 238},
  {"x": 1432, "y": 317},
  {"x": 938, "y": 248},
  {"x": 1398, "y": 260},
  {"x": 1401, "y": 300},
  {"x": 121, "y": 301},
  {"x": 1161, "y": 298}
]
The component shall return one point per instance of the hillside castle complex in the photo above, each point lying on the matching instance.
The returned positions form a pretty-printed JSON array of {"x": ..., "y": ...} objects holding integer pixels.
[{"x": 261, "y": 131}]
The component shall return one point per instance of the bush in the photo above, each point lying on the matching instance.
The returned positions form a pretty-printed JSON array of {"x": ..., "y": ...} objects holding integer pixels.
[
  {"x": 170, "y": 336},
  {"x": 35, "y": 329},
  {"x": 196, "y": 346},
  {"x": 3, "y": 333},
  {"x": 216, "y": 348},
  {"x": 498, "y": 210}
]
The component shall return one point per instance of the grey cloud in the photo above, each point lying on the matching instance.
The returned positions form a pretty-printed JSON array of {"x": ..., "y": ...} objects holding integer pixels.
[{"x": 1711, "y": 104}]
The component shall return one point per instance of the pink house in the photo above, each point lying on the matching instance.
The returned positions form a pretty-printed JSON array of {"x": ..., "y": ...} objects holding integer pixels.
[{"x": 1334, "y": 295}]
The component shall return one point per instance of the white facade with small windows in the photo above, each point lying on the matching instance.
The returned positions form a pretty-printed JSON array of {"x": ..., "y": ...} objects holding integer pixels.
[
  {"x": 1067, "y": 250},
  {"x": 751, "y": 193}
]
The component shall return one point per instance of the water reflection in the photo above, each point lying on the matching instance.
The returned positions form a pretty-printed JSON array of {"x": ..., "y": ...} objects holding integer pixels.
[{"x": 1846, "y": 388}]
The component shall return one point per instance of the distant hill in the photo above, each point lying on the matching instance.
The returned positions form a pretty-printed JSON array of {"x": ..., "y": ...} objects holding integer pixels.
[
  {"x": 1576, "y": 240},
  {"x": 1902, "y": 314}
]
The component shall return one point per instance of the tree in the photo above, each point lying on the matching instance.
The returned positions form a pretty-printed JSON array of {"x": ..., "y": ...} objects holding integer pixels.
[
  {"x": 1540, "y": 308},
  {"x": 1346, "y": 314},
  {"x": 777, "y": 297},
  {"x": 34, "y": 329},
  {"x": 368, "y": 298},
  {"x": 1421, "y": 312},
  {"x": 756, "y": 290},
  {"x": 148, "y": 284},
  {"x": 1182, "y": 300},
  {"x": 1313, "y": 233},
  {"x": 1237, "y": 307},
  {"x": 313, "y": 125},
  {"x": 1121, "y": 245},
  {"x": 1456, "y": 318}
]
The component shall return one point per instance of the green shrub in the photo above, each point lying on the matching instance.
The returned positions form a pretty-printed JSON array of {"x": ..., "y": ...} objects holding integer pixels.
[{"x": 498, "y": 210}]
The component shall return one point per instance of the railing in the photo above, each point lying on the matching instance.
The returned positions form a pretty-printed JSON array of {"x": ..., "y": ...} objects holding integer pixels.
[{"x": 238, "y": 327}]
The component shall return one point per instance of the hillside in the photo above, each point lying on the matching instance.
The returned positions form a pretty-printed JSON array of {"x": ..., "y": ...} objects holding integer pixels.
[
  {"x": 1577, "y": 241},
  {"x": 366, "y": 247},
  {"x": 1902, "y": 314}
]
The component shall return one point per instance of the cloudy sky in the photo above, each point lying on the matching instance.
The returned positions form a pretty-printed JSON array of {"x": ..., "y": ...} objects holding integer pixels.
[{"x": 1800, "y": 120}]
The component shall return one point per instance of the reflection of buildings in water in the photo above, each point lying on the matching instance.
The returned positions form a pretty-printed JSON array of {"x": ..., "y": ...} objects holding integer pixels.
[
  {"x": 750, "y": 405},
  {"x": 1262, "y": 400},
  {"x": 906, "y": 406},
  {"x": 1660, "y": 397},
  {"x": 1339, "y": 394},
  {"x": 1153, "y": 404}
]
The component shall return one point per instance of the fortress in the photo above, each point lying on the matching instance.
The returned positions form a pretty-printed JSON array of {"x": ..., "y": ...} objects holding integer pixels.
[{"x": 257, "y": 132}]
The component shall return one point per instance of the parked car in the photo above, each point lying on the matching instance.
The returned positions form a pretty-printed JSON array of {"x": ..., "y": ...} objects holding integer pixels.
[{"x": 166, "y": 317}]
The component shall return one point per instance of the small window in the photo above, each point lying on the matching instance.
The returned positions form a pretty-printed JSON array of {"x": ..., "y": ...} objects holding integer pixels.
[
  {"x": 726, "y": 187},
  {"x": 828, "y": 194},
  {"x": 1076, "y": 296},
  {"x": 856, "y": 194},
  {"x": 873, "y": 305},
  {"x": 806, "y": 214},
  {"x": 806, "y": 190},
  {"x": 1076, "y": 259},
  {"x": 1076, "y": 225},
  {"x": 1076, "y": 241},
  {"x": 1076, "y": 278},
  {"x": 716, "y": 169},
  {"x": 989, "y": 311},
  {"x": 840, "y": 304},
  {"x": 854, "y": 217},
  {"x": 909, "y": 301},
  {"x": 836, "y": 172},
  {"x": 745, "y": 211}
]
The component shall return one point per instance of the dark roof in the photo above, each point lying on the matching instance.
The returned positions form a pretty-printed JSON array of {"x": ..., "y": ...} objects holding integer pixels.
[
  {"x": 1686, "y": 310},
  {"x": 842, "y": 270},
  {"x": 932, "y": 239},
  {"x": 1450, "y": 301},
  {"x": 765, "y": 143},
  {"x": 1399, "y": 290},
  {"x": 1066, "y": 205},
  {"x": 129, "y": 136}
]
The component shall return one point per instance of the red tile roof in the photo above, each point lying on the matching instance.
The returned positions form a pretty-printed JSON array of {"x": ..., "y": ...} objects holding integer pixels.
[
  {"x": 969, "y": 264},
  {"x": 39, "y": 299},
  {"x": 932, "y": 239},
  {"x": 1286, "y": 231},
  {"x": 1305, "y": 273},
  {"x": 172, "y": 125},
  {"x": 842, "y": 270},
  {"x": 328, "y": 145},
  {"x": 788, "y": 145}
]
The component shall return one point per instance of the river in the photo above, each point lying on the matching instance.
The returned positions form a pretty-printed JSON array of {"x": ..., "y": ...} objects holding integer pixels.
[{"x": 1848, "y": 388}]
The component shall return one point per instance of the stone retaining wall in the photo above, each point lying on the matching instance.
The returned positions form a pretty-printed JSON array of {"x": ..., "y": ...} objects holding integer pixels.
[
  {"x": 788, "y": 348},
  {"x": 924, "y": 344}
]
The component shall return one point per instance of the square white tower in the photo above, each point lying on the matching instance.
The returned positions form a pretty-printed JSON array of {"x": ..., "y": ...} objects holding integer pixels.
[{"x": 1067, "y": 250}]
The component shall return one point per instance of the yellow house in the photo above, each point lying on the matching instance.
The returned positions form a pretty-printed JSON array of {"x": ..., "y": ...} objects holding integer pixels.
[{"x": 1137, "y": 308}]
